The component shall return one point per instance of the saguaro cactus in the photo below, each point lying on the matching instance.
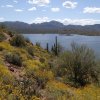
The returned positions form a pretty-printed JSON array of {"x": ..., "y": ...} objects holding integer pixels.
[
  {"x": 47, "y": 48},
  {"x": 55, "y": 47}
]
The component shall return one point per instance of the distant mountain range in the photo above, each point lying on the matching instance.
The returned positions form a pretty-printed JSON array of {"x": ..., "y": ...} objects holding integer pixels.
[{"x": 52, "y": 27}]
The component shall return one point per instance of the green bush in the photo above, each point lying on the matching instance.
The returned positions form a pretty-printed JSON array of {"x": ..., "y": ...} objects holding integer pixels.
[
  {"x": 2, "y": 37},
  {"x": 42, "y": 60},
  {"x": 3, "y": 27},
  {"x": 11, "y": 33},
  {"x": 78, "y": 66},
  {"x": 1, "y": 48},
  {"x": 38, "y": 44},
  {"x": 18, "y": 41},
  {"x": 30, "y": 50},
  {"x": 27, "y": 40},
  {"x": 14, "y": 58}
]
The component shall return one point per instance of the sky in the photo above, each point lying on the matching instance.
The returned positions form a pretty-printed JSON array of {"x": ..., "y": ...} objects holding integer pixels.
[{"x": 75, "y": 12}]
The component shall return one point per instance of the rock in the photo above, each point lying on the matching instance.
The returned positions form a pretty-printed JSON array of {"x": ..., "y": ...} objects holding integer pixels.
[
  {"x": 11, "y": 69},
  {"x": 7, "y": 64}
]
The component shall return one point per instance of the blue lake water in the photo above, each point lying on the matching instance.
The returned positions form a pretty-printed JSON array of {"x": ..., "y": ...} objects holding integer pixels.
[{"x": 65, "y": 40}]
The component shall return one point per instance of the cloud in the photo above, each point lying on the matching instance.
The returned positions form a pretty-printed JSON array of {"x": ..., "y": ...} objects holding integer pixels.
[
  {"x": 41, "y": 20},
  {"x": 82, "y": 22},
  {"x": 68, "y": 21},
  {"x": 9, "y": 6},
  {"x": 70, "y": 4},
  {"x": 18, "y": 10},
  {"x": 15, "y": 1},
  {"x": 39, "y": 2},
  {"x": 91, "y": 10},
  {"x": 55, "y": 9},
  {"x": 31, "y": 9},
  {"x": 2, "y": 18},
  {"x": 43, "y": 10}
]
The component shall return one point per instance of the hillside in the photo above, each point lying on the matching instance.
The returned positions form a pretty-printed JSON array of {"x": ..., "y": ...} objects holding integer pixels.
[
  {"x": 53, "y": 27},
  {"x": 28, "y": 72}
]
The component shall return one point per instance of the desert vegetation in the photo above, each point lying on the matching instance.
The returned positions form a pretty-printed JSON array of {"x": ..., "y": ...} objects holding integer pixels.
[
  {"x": 28, "y": 72},
  {"x": 2, "y": 37}
]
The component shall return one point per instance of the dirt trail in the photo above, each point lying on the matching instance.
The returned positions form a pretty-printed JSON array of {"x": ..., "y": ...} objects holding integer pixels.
[
  {"x": 17, "y": 72},
  {"x": 7, "y": 36}
]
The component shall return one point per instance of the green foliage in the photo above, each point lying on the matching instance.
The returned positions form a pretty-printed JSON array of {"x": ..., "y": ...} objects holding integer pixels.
[
  {"x": 2, "y": 27},
  {"x": 2, "y": 37},
  {"x": 58, "y": 91},
  {"x": 1, "y": 49},
  {"x": 5, "y": 75},
  {"x": 27, "y": 40},
  {"x": 18, "y": 41},
  {"x": 10, "y": 33},
  {"x": 77, "y": 66},
  {"x": 38, "y": 44},
  {"x": 42, "y": 60},
  {"x": 30, "y": 50},
  {"x": 44, "y": 75},
  {"x": 14, "y": 58}
]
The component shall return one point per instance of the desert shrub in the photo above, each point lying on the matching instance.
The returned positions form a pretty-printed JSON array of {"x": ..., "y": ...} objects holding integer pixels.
[
  {"x": 58, "y": 91},
  {"x": 5, "y": 75},
  {"x": 11, "y": 33},
  {"x": 27, "y": 40},
  {"x": 14, "y": 58},
  {"x": 78, "y": 66},
  {"x": 30, "y": 50},
  {"x": 28, "y": 86},
  {"x": 42, "y": 77},
  {"x": 6, "y": 46},
  {"x": 18, "y": 41},
  {"x": 2, "y": 37},
  {"x": 10, "y": 92},
  {"x": 2, "y": 27},
  {"x": 42, "y": 60},
  {"x": 1, "y": 48},
  {"x": 38, "y": 44}
]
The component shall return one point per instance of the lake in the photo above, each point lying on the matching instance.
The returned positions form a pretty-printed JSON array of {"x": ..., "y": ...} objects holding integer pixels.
[{"x": 65, "y": 40}]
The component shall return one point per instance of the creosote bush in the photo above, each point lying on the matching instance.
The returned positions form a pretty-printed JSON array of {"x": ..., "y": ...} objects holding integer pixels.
[
  {"x": 14, "y": 58},
  {"x": 18, "y": 41}
]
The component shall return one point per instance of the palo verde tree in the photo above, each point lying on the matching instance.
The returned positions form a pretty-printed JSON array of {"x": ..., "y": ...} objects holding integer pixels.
[{"x": 78, "y": 66}]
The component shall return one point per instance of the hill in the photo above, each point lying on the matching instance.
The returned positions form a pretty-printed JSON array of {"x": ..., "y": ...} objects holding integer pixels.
[
  {"x": 53, "y": 27},
  {"x": 29, "y": 72}
]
